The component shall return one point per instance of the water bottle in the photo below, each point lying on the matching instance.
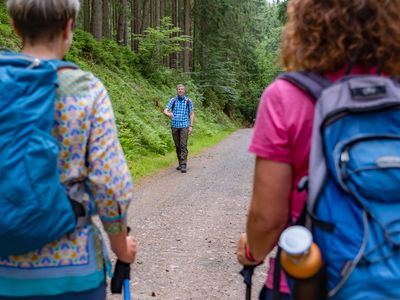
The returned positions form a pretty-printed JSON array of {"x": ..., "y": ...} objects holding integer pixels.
[{"x": 300, "y": 256}]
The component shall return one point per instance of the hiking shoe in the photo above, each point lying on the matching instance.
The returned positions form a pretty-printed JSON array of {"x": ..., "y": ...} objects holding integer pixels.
[
  {"x": 178, "y": 168},
  {"x": 183, "y": 169}
]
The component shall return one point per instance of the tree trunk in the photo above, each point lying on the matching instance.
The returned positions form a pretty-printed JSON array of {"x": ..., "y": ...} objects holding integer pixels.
[
  {"x": 121, "y": 22},
  {"x": 152, "y": 14},
  {"x": 145, "y": 16},
  {"x": 195, "y": 36},
  {"x": 106, "y": 20},
  {"x": 126, "y": 33},
  {"x": 187, "y": 28},
  {"x": 158, "y": 13},
  {"x": 97, "y": 18},
  {"x": 162, "y": 9},
  {"x": 181, "y": 25},
  {"x": 175, "y": 10},
  {"x": 136, "y": 23},
  {"x": 86, "y": 15}
]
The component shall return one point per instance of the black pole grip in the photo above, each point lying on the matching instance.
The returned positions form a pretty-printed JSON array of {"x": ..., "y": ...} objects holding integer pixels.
[
  {"x": 247, "y": 273},
  {"x": 122, "y": 271}
]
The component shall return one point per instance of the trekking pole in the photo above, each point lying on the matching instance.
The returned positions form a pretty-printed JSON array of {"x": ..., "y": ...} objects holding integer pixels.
[
  {"x": 121, "y": 278},
  {"x": 127, "y": 289},
  {"x": 247, "y": 273}
]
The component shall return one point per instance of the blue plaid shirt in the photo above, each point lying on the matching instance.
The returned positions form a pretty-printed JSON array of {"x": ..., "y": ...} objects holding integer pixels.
[{"x": 181, "y": 111}]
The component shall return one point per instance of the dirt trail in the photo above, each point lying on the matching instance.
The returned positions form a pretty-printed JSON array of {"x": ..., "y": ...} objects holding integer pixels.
[{"x": 187, "y": 226}]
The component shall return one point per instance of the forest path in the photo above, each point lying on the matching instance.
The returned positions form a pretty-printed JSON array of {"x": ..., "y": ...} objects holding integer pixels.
[{"x": 187, "y": 226}]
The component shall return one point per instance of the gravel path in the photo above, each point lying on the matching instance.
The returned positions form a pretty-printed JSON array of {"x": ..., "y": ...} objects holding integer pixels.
[{"x": 187, "y": 226}]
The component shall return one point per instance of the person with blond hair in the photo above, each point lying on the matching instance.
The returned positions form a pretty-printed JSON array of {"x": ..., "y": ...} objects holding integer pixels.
[
  {"x": 92, "y": 167},
  {"x": 329, "y": 38}
]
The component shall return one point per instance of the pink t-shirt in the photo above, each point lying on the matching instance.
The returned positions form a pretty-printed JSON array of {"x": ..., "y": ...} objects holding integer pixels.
[{"x": 282, "y": 133}]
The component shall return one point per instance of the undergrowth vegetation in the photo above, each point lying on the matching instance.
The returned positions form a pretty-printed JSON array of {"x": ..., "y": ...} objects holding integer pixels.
[{"x": 138, "y": 102}]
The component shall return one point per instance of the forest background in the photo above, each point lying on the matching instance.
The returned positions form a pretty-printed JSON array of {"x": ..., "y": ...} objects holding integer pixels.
[{"x": 224, "y": 51}]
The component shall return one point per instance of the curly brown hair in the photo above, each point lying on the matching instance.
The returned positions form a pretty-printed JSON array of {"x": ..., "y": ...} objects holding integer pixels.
[{"x": 326, "y": 35}]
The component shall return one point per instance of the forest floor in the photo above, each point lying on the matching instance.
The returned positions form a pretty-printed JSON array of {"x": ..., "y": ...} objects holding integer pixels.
[{"x": 187, "y": 226}]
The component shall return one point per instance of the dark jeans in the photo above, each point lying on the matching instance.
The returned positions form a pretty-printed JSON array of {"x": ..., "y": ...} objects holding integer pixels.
[
  {"x": 180, "y": 136},
  {"x": 94, "y": 294}
]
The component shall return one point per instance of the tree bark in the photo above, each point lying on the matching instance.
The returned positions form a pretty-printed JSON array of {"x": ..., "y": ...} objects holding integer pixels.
[
  {"x": 106, "y": 20},
  {"x": 152, "y": 13},
  {"x": 97, "y": 19},
  {"x": 158, "y": 13},
  {"x": 187, "y": 30},
  {"x": 145, "y": 16},
  {"x": 121, "y": 22},
  {"x": 134, "y": 24},
  {"x": 86, "y": 15},
  {"x": 175, "y": 11}
]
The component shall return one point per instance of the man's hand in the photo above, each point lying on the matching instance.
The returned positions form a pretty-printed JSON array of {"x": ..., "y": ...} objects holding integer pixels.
[
  {"x": 241, "y": 252},
  {"x": 168, "y": 113},
  {"x": 190, "y": 129}
]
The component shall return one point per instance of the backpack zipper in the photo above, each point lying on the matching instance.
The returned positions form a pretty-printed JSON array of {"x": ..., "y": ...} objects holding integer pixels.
[
  {"x": 338, "y": 114},
  {"x": 35, "y": 62}
]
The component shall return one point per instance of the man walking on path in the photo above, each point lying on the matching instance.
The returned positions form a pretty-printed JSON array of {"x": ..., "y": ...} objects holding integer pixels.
[{"x": 180, "y": 110}]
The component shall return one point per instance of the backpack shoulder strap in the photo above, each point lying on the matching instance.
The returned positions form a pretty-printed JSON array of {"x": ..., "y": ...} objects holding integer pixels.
[
  {"x": 62, "y": 64},
  {"x": 173, "y": 104},
  {"x": 188, "y": 102},
  {"x": 309, "y": 82}
]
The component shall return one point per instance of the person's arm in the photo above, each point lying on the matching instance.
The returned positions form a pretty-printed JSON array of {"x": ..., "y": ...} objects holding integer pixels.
[
  {"x": 167, "y": 109},
  {"x": 269, "y": 208},
  {"x": 268, "y": 213},
  {"x": 168, "y": 113},
  {"x": 191, "y": 115},
  {"x": 109, "y": 176}
]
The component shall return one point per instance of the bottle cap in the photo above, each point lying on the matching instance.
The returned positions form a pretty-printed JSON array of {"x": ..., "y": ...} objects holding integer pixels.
[{"x": 295, "y": 240}]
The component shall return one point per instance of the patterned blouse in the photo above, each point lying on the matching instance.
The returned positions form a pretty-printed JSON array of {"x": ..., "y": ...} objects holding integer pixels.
[{"x": 89, "y": 151}]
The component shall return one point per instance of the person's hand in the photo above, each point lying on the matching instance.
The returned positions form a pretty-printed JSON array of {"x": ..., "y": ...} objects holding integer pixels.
[
  {"x": 241, "y": 252},
  {"x": 124, "y": 247},
  {"x": 171, "y": 115},
  {"x": 129, "y": 255},
  {"x": 190, "y": 129}
]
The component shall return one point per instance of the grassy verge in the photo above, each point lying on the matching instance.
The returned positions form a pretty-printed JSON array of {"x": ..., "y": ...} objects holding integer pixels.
[{"x": 143, "y": 166}]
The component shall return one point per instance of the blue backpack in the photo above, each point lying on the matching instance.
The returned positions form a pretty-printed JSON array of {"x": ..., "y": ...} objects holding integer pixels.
[
  {"x": 34, "y": 206},
  {"x": 354, "y": 183}
]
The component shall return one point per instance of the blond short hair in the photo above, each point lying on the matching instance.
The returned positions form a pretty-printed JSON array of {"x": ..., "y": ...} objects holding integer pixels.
[{"x": 42, "y": 18}]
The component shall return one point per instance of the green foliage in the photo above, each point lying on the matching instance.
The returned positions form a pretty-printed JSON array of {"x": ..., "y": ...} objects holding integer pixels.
[
  {"x": 7, "y": 37},
  {"x": 268, "y": 49},
  {"x": 106, "y": 52},
  {"x": 144, "y": 132},
  {"x": 282, "y": 8},
  {"x": 229, "y": 72},
  {"x": 157, "y": 44},
  {"x": 264, "y": 66}
]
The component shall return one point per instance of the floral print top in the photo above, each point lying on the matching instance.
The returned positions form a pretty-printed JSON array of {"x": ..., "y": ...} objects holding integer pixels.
[{"x": 90, "y": 152}]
